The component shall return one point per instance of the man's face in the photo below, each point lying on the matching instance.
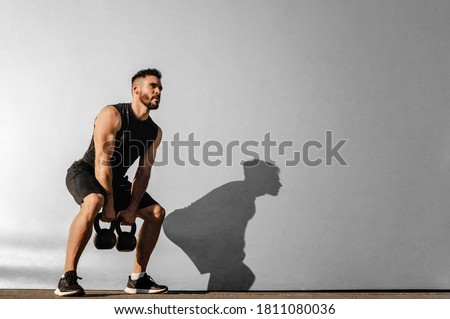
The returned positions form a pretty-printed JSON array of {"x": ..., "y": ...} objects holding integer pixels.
[{"x": 149, "y": 90}]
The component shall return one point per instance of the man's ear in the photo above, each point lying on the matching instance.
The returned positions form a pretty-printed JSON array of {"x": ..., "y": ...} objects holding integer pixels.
[{"x": 135, "y": 88}]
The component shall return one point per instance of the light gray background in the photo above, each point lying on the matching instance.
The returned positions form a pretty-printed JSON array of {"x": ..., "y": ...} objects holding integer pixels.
[{"x": 374, "y": 72}]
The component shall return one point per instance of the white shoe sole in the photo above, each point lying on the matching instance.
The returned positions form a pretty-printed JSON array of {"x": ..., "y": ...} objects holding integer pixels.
[
  {"x": 69, "y": 293},
  {"x": 145, "y": 291}
]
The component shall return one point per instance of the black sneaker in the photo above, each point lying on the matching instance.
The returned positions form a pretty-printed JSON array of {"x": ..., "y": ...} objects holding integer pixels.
[
  {"x": 144, "y": 285},
  {"x": 68, "y": 285}
]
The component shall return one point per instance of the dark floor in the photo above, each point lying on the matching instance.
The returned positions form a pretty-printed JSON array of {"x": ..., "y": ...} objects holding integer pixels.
[{"x": 118, "y": 294}]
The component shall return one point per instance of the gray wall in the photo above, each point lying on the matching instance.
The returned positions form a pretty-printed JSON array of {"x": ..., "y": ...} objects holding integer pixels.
[{"x": 375, "y": 73}]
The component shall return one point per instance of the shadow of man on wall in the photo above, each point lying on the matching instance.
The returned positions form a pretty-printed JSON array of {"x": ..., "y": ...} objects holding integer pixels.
[{"x": 211, "y": 231}]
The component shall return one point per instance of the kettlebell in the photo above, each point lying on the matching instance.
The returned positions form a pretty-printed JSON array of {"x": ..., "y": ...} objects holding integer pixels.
[
  {"x": 104, "y": 237},
  {"x": 126, "y": 240}
]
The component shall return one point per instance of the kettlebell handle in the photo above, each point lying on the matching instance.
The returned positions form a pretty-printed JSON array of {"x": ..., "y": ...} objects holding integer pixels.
[
  {"x": 119, "y": 229},
  {"x": 97, "y": 223}
]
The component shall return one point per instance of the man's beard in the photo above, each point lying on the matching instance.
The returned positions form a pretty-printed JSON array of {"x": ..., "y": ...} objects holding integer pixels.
[
  {"x": 149, "y": 104},
  {"x": 152, "y": 106}
]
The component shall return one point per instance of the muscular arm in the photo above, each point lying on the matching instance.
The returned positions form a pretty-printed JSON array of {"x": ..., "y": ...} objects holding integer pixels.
[
  {"x": 141, "y": 180},
  {"x": 107, "y": 124}
]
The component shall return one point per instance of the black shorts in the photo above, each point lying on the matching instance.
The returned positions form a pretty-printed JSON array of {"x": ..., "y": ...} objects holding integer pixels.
[{"x": 81, "y": 181}]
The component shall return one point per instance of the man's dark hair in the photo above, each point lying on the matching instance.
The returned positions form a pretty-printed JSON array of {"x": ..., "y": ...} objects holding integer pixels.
[{"x": 146, "y": 72}]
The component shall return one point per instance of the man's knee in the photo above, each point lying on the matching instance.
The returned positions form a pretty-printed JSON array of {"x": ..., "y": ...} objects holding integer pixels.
[
  {"x": 92, "y": 203},
  {"x": 155, "y": 213}
]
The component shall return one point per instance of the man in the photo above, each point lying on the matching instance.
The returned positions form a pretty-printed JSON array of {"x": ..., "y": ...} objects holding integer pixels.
[{"x": 122, "y": 134}]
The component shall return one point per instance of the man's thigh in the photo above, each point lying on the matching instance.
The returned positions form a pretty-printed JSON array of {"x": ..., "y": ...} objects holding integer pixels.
[
  {"x": 122, "y": 197},
  {"x": 81, "y": 181}
]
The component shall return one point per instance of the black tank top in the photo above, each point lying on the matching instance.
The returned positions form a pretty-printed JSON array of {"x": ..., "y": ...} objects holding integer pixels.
[{"x": 132, "y": 140}]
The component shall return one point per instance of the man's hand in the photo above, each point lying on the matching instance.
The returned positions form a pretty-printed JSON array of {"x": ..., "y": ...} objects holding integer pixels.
[
  {"x": 127, "y": 216},
  {"x": 108, "y": 213}
]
